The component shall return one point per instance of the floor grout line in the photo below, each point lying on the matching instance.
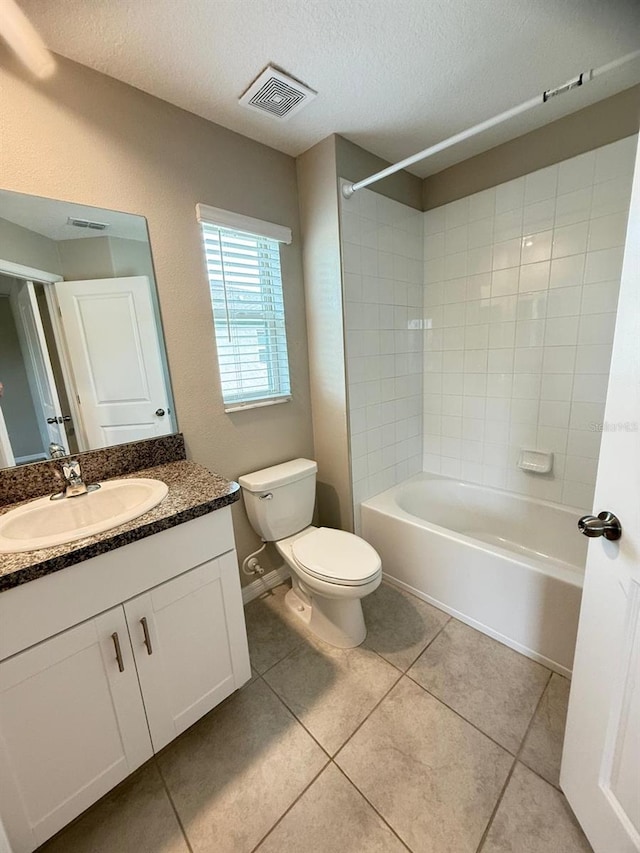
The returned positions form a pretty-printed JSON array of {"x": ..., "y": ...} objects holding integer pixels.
[
  {"x": 519, "y": 756},
  {"x": 400, "y": 672},
  {"x": 513, "y": 767},
  {"x": 291, "y": 711},
  {"x": 173, "y": 805},
  {"x": 284, "y": 657},
  {"x": 470, "y": 722},
  {"x": 361, "y": 724},
  {"x": 533, "y": 716},
  {"x": 297, "y": 719},
  {"x": 484, "y": 835},
  {"x": 430, "y": 643},
  {"x": 302, "y": 792},
  {"x": 461, "y": 716},
  {"x": 330, "y": 757},
  {"x": 367, "y": 800},
  {"x": 420, "y": 653},
  {"x": 290, "y": 626},
  {"x": 295, "y": 802}
]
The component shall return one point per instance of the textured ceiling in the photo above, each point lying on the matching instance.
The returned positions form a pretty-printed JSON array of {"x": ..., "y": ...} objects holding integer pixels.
[{"x": 392, "y": 75}]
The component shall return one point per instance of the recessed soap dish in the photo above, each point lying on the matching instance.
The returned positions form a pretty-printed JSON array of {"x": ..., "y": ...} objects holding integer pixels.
[{"x": 536, "y": 461}]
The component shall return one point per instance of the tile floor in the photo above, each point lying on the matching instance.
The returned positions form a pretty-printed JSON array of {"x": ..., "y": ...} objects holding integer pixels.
[{"x": 430, "y": 737}]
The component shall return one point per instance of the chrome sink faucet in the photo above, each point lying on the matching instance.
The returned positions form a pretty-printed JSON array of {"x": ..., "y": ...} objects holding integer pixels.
[
  {"x": 75, "y": 485},
  {"x": 73, "y": 475}
]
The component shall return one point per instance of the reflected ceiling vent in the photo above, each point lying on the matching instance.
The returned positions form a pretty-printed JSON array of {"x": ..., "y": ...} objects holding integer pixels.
[
  {"x": 277, "y": 94},
  {"x": 87, "y": 223}
]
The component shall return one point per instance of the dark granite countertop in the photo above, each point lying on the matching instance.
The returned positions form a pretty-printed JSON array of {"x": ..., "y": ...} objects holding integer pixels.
[{"x": 193, "y": 491}]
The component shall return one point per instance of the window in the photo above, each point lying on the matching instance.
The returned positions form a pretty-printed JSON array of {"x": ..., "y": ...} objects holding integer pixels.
[{"x": 245, "y": 282}]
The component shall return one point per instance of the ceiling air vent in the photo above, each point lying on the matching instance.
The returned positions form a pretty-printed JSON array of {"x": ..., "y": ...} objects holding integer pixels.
[
  {"x": 86, "y": 223},
  {"x": 277, "y": 94}
]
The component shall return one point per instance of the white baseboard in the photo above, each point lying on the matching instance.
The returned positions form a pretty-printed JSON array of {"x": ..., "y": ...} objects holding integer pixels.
[{"x": 264, "y": 583}]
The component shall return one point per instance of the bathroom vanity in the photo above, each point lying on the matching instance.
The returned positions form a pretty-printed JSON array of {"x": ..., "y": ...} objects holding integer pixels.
[{"x": 111, "y": 647}]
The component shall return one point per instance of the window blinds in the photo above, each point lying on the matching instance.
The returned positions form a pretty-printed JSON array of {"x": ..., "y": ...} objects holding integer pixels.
[{"x": 245, "y": 283}]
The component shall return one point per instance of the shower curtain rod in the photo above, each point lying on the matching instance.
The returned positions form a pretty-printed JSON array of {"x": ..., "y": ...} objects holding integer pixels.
[{"x": 349, "y": 189}]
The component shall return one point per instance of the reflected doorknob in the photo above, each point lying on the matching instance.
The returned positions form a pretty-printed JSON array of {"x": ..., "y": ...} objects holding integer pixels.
[
  {"x": 160, "y": 413},
  {"x": 605, "y": 524}
]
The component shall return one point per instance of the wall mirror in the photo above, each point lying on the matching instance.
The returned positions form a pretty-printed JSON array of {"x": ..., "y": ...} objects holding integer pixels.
[{"x": 82, "y": 355}]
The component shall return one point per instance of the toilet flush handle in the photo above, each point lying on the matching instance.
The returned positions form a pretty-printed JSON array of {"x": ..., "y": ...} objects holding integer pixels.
[{"x": 267, "y": 496}]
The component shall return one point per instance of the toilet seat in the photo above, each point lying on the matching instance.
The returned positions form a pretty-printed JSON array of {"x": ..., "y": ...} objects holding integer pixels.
[{"x": 336, "y": 556}]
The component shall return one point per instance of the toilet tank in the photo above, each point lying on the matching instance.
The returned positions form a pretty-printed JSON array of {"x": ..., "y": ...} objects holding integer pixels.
[{"x": 280, "y": 500}]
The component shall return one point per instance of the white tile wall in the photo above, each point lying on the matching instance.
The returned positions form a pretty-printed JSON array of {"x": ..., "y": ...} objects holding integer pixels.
[
  {"x": 382, "y": 256},
  {"x": 521, "y": 287}
]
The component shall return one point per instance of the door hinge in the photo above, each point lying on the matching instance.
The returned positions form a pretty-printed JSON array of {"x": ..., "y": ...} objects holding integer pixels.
[{"x": 78, "y": 399}]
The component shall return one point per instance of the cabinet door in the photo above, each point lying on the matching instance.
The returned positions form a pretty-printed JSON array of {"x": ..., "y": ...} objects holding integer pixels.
[
  {"x": 189, "y": 641},
  {"x": 72, "y": 725}
]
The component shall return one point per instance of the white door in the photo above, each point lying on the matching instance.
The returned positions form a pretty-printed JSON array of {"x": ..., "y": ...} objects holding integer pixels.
[
  {"x": 112, "y": 342},
  {"x": 601, "y": 760},
  {"x": 38, "y": 365},
  {"x": 188, "y": 638},
  {"x": 72, "y": 725}
]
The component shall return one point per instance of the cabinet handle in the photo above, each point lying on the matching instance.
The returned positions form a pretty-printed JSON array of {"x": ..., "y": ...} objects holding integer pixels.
[
  {"x": 147, "y": 638},
  {"x": 116, "y": 644}
]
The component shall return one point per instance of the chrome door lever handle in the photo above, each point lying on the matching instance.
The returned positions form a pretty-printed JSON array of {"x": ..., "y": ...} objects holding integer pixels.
[{"x": 604, "y": 524}]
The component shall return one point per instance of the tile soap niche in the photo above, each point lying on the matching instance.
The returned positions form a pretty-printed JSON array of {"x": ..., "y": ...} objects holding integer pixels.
[{"x": 536, "y": 461}]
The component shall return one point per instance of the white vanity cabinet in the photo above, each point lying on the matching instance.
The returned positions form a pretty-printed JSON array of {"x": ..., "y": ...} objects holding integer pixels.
[
  {"x": 129, "y": 649},
  {"x": 183, "y": 636},
  {"x": 72, "y": 726}
]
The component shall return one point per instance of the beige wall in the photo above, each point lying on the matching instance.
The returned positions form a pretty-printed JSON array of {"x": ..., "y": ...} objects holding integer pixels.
[
  {"x": 109, "y": 145},
  {"x": 604, "y": 122},
  {"x": 355, "y": 163},
  {"x": 88, "y": 257},
  {"x": 103, "y": 257},
  {"x": 131, "y": 257},
  {"x": 20, "y": 245},
  {"x": 318, "y": 189}
]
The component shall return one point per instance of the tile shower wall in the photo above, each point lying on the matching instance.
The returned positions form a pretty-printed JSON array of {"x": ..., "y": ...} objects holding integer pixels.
[
  {"x": 383, "y": 290},
  {"x": 521, "y": 287}
]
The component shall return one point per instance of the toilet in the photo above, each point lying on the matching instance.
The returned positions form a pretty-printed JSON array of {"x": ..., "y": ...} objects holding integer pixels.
[{"x": 331, "y": 570}]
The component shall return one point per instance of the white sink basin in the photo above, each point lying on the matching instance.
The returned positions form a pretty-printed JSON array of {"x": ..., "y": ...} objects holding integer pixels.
[{"x": 44, "y": 523}]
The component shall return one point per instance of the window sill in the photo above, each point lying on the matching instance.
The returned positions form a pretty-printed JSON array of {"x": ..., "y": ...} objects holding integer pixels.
[{"x": 256, "y": 404}]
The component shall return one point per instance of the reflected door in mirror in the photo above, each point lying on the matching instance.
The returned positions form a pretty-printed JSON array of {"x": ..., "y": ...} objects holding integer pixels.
[
  {"x": 115, "y": 357},
  {"x": 38, "y": 366}
]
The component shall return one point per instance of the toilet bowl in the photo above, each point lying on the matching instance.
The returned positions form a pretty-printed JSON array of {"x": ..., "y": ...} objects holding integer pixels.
[{"x": 331, "y": 570}]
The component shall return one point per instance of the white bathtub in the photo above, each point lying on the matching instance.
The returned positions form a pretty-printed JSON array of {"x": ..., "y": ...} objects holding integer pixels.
[{"x": 510, "y": 566}]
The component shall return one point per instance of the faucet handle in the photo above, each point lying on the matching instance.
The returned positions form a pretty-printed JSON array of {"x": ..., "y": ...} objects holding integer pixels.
[
  {"x": 57, "y": 451},
  {"x": 71, "y": 469}
]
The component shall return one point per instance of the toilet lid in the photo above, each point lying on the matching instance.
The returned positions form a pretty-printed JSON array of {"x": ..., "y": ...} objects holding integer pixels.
[{"x": 336, "y": 556}]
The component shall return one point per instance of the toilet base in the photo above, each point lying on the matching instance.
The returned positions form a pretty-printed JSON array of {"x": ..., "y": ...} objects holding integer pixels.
[{"x": 337, "y": 621}]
